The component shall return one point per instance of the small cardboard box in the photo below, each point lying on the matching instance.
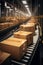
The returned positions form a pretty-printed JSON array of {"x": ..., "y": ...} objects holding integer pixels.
[
  {"x": 24, "y": 35},
  {"x": 3, "y": 56},
  {"x": 16, "y": 47}
]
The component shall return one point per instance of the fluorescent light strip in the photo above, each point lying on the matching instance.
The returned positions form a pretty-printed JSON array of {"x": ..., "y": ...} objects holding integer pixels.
[{"x": 24, "y": 2}]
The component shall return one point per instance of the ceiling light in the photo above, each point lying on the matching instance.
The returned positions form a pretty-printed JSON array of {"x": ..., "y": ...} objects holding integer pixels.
[
  {"x": 24, "y": 2},
  {"x": 26, "y": 5},
  {"x": 8, "y": 7},
  {"x": 5, "y": 4}
]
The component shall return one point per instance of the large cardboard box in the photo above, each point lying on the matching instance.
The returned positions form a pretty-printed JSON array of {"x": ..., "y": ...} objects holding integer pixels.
[
  {"x": 3, "y": 56},
  {"x": 28, "y": 27},
  {"x": 24, "y": 35},
  {"x": 16, "y": 47}
]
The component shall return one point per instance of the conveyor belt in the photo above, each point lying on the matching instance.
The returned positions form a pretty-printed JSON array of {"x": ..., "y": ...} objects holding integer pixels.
[{"x": 27, "y": 58}]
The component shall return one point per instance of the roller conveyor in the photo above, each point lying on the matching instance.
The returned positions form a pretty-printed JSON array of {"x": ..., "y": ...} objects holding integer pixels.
[{"x": 27, "y": 58}]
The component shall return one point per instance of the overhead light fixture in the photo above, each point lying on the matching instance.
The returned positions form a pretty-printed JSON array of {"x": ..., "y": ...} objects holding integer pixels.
[
  {"x": 26, "y": 6},
  {"x": 24, "y": 2},
  {"x": 8, "y": 7},
  {"x": 5, "y": 4}
]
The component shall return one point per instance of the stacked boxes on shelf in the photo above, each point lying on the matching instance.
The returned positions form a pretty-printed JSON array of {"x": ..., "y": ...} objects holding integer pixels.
[{"x": 6, "y": 22}]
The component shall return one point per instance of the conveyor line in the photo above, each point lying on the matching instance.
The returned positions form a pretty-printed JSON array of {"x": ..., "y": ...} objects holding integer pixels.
[{"x": 27, "y": 58}]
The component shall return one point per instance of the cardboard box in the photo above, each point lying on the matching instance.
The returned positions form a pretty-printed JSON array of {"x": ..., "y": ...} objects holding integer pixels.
[
  {"x": 32, "y": 24},
  {"x": 33, "y": 20},
  {"x": 4, "y": 25},
  {"x": 28, "y": 23},
  {"x": 28, "y": 27},
  {"x": 16, "y": 47},
  {"x": 3, "y": 56},
  {"x": 11, "y": 24},
  {"x": 24, "y": 35},
  {"x": 14, "y": 21}
]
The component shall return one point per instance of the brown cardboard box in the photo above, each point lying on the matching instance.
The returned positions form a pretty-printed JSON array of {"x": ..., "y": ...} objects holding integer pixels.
[
  {"x": 10, "y": 24},
  {"x": 14, "y": 21},
  {"x": 24, "y": 35},
  {"x": 4, "y": 25},
  {"x": 16, "y": 47},
  {"x": 33, "y": 20},
  {"x": 32, "y": 24},
  {"x": 3, "y": 56},
  {"x": 28, "y": 27}
]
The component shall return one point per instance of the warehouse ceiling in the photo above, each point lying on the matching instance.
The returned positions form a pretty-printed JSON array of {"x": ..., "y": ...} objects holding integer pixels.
[{"x": 33, "y": 5}]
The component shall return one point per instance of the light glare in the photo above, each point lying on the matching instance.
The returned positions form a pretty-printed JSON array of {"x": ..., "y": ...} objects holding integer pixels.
[
  {"x": 24, "y": 2},
  {"x": 26, "y": 6}
]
